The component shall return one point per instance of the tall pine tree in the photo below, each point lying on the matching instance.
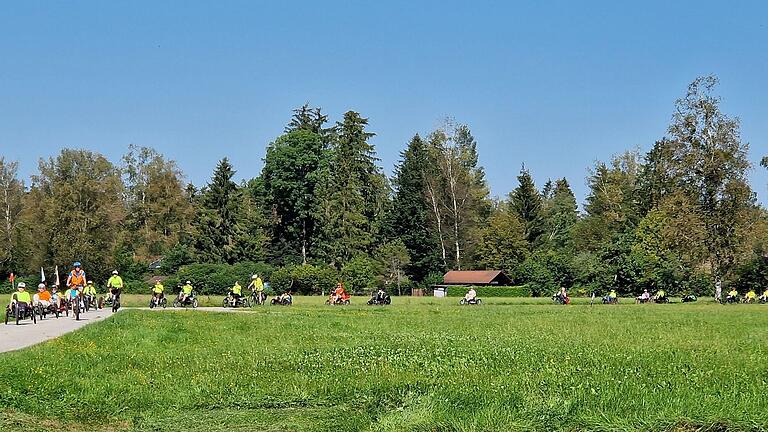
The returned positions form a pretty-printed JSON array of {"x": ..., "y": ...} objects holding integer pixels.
[
  {"x": 409, "y": 216},
  {"x": 559, "y": 215},
  {"x": 525, "y": 202},
  {"x": 353, "y": 194},
  {"x": 217, "y": 222}
]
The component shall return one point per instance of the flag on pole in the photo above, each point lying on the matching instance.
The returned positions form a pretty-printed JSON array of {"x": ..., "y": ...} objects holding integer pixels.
[
  {"x": 57, "y": 276},
  {"x": 42, "y": 275},
  {"x": 12, "y": 278}
]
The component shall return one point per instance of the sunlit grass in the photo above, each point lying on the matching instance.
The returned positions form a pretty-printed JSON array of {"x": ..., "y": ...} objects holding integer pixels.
[{"x": 421, "y": 365}]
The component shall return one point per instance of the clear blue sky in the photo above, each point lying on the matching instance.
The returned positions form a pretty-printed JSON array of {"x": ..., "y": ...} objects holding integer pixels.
[{"x": 554, "y": 85}]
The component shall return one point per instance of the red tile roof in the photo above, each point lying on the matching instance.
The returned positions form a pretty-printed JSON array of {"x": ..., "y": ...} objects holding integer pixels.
[{"x": 475, "y": 277}]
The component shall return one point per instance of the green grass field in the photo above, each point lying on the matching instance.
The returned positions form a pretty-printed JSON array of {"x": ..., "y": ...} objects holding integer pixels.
[{"x": 422, "y": 364}]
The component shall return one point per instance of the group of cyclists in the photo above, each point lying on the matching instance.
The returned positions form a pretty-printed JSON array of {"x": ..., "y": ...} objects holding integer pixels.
[
  {"x": 79, "y": 289},
  {"x": 76, "y": 291}
]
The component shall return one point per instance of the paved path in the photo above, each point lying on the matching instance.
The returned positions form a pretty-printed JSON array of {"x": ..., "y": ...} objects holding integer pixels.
[{"x": 13, "y": 337}]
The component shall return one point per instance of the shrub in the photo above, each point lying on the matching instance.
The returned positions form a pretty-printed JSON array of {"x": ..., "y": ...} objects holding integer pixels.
[
  {"x": 492, "y": 291},
  {"x": 304, "y": 279},
  {"x": 360, "y": 275},
  {"x": 219, "y": 278}
]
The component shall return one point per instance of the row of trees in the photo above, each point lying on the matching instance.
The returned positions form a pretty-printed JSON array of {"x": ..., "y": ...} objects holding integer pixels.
[{"x": 676, "y": 217}]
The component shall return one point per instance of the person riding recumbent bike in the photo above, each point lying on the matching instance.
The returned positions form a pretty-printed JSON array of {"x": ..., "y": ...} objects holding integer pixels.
[
  {"x": 187, "y": 297},
  {"x": 45, "y": 301},
  {"x": 763, "y": 298},
  {"x": 732, "y": 297},
  {"x": 20, "y": 306},
  {"x": 561, "y": 297},
  {"x": 235, "y": 297},
  {"x": 611, "y": 298},
  {"x": 471, "y": 298},
  {"x": 339, "y": 296},
  {"x": 284, "y": 299},
  {"x": 661, "y": 297},
  {"x": 689, "y": 298},
  {"x": 380, "y": 298}
]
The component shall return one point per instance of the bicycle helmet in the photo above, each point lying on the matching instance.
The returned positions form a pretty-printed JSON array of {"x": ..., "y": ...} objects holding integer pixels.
[
  {"x": 114, "y": 272},
  {"x": 77, "y": 264},
  {"x": 21, "y": 285},
  {"x": 254, "y": 276},
  {"x": 189, "y": 283},
  {"x": 41, "y": 285}
]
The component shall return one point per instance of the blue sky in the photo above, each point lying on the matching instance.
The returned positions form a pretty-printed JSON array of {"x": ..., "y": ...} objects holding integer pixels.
[{"x": 555, "y": 85}]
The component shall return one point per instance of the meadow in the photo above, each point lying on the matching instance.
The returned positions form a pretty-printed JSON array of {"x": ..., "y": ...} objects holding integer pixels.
[{"x": 422, "y": 364}]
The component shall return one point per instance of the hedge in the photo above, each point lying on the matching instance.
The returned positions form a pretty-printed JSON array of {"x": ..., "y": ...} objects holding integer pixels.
[
  {"x": 304, "y": 279},
  {"x": 218, "y": 278},
  {"x": 492, "y": 291}
]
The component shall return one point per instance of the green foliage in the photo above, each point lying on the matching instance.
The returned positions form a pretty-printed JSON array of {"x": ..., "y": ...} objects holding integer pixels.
[
  {"x": 392, "y": 260},
  {"x": 353, "y": 194},
  {"x": 753, "y": 275},
  {"x": 12, "y": 251},
  {"x": 177, "y": 256},
  {"x": 502, "y": 242},
  {"x": 304, "y": 279},
  {"x": 219, "y": 278},
  {"x": 159, "y": 209},
  {"x": 361, "y": 275},
  {"x": 294, "y": 167},
  {"x": 75, "y": 207},
  {"x": 560, "y": 214},
  {"x": 408, "y": 219},
  {"x": 457, "y": 192},
  {"x": 526, "y": 202},
  {"x": 492, "y": 291}
]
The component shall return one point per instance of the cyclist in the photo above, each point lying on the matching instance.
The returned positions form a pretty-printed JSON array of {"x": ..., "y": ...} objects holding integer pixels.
[
  {"x": 750, "y": 296},
  {"x": 286, "y": 298},
  {"x": 236, "y": 293},
  {"x": 764, "y": 298},
  {"x": 470, "y": 295},
  {"x": 21, "y": 296},
  {"x": 660, "y": 295},
  {"x": 733, "y": 296},
  {"x": 76, "y": 277},
  {"x": 157, "y": 291},
  {"x": 186, "y": 292},
  {"x": 42, "y": 297},
  {"x": 73, "y": 293},
  {"x": 257, "y": 287},
  {"x": 55, "y": 296},
  {"x": 644, "y": 297},
  {"x": 339, "y": 293},
  {"x": 612, "y": 297},
  {"x": 114, "y": 285},
  {"x": 90, "y": 290}
]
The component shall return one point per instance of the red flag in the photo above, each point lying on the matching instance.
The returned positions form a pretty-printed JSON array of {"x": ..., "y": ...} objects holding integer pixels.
[{"x": 12, "y": 278}]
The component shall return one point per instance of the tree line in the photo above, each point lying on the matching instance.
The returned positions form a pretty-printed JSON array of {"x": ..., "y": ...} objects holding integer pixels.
[{"x": 678, "y": 217}]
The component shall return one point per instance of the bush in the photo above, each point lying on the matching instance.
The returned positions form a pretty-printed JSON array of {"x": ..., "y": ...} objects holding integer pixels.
[
  {"x": 304, "y": 279},
  {"x": 360, "y": 275},
  {"x": 219, "y": 278},
  {"x": 492, "y": 291}
]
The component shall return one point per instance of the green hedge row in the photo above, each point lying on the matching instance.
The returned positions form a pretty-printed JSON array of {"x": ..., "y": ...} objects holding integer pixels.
[{"x": 492, "y": 291}]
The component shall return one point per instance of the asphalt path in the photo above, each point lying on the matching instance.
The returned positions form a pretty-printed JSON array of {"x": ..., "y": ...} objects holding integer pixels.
[{"x": 14, "y": 337}]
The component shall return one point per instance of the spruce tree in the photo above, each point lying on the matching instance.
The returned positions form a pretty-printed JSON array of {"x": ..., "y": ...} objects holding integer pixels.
[
  {"x": 353, "y": 194},
  {"x": 560, "y": 214},
  {"x": 217, "y": 223},
  {"x": 526, "y": 203},
  {"x": 409, "y": 217}
]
